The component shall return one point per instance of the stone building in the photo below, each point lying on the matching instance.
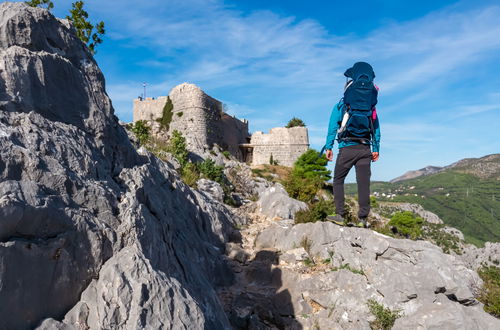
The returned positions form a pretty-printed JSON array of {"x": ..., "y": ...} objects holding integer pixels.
[
  {"x": 199, "y": 117},
  {"x": 284, "y": 144},
  {"x": 201, "y": 120}
]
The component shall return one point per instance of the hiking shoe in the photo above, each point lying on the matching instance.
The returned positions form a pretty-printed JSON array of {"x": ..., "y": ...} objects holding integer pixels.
[
  {"x": 337, "y": 219},
  {"x": 362, "y": 223}
]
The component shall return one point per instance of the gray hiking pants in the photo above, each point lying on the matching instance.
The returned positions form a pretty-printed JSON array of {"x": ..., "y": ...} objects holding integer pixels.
[{"x": 360, "y": 157}]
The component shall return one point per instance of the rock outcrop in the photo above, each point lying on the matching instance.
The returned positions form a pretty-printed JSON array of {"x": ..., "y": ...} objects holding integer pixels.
[
  {"x": 475, "y": 257},
  {"x": 349, "y": 266},
  {"x": 421, "y": 212},
  {"x": 92, "y": 234},
  {"x": 274, "y": 202}
]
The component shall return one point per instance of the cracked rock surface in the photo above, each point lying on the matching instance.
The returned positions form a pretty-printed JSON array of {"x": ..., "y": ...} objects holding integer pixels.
[
  {"x": 92, "y": 234},
  {"x": 349, "y": 266}
]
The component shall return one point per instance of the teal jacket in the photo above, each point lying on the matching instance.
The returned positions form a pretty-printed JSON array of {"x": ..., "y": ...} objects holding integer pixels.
[{"x": 335, "y": 120}]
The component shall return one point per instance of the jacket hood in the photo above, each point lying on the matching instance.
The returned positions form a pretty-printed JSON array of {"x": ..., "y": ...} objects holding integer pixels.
[{"x": 359, "y": 69}]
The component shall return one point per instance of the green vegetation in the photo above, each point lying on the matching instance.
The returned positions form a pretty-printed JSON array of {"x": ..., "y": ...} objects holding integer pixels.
[
  {"x": 84, "y": 29},
  {"x": 226, "y": 154},
  {"x": 190, "y": 174},
  {"x": 79, "y": 18},
  {"x": 461, "y": 200},
  {"x": 177, "y": 147},
  {"x": 490, "y": 292},
  {"x": 141, "y": 131},
  {"x": 166, "y": 116},
  {"x": 349, "y": 268},
  {"x": 317, "y": 212},
  {"x": 308, "y": 176},
  {"x": 48, "y": 4},
  {"x": 295, "y": 122},
  {"x": 273, "y": 161},
  {"x": 448, "y": 242},
  {"x": 407, "y": 224},
  {"x": 210, "y": 171},
  {"x": 180, "y": 113},
  {"x": 384, "y": 317},
  {"x": 306, "y": 244}
]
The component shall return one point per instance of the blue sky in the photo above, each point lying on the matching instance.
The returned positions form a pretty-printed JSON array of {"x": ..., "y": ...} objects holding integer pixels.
[{"x": 437, "y": 65}]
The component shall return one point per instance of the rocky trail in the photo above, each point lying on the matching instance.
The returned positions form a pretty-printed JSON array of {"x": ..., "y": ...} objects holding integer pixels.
[{"x": 321, "y": 276}]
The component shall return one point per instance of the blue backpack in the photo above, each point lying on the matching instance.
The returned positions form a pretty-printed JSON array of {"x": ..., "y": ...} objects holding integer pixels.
[{"x": 360, "y": 97}]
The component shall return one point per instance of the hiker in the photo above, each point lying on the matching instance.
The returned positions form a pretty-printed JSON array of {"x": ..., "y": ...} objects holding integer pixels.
[{"x": 354, "y": 121}]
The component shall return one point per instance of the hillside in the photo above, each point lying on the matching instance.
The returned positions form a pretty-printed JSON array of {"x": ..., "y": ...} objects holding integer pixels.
[{"x": 466, "y": 195}]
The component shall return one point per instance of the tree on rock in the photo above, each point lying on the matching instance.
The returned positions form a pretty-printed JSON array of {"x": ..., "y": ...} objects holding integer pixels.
[
  {"x": 295, "y": 122},
  {"x": 85, "y": 29},
  {"x": 308, "y": 176},
  {"x": 48, "y": 4}
]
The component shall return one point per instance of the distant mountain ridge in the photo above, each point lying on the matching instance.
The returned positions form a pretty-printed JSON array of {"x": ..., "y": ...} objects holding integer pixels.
[{"x": 484, "y": 167}]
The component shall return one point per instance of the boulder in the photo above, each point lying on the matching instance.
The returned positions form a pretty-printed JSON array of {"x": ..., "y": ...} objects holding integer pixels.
[
  {"x": 274, "y": 202},
  {"x": 212, "y": 188}
]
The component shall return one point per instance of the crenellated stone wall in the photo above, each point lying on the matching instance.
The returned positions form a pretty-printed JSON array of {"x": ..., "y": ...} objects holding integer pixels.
[{"x": 285, "y": 144}]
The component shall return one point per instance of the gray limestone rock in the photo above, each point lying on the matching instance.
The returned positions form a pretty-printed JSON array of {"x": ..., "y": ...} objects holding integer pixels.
[
  {"x": 92, "y": 232},
  {"x": 475, "y": 257},
  {"x": 275, "y": 202},
  {"x": 399, "y": 273},
  {"x": 212, "y": 188}
]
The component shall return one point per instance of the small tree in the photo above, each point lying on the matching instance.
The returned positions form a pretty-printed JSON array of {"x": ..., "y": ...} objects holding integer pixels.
[
  {"x": 48, "y": 4},
  {"x": 84, "y": 29},
  {"x": 308, "y": 176},
  {"x": 295, "y": 122}
]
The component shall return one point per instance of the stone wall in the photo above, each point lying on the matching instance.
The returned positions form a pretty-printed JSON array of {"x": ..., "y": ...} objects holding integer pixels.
[
  {"x": 285, "y": 144},
  {"x": 148, "y": 108},
  {"x": 198, "y": 116}
]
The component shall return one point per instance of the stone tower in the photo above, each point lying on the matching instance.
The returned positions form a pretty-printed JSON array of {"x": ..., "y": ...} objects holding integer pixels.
[{"x": 199, "y": 117}]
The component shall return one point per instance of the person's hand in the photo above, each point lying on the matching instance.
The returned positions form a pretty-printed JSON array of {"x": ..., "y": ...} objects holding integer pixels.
[
  {"x": 374, "y": 156},
  {"x": 329, "y": 154}
]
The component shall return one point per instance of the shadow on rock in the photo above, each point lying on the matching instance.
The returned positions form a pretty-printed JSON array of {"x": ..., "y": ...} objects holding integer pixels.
[{"x": 260, "y": 304}]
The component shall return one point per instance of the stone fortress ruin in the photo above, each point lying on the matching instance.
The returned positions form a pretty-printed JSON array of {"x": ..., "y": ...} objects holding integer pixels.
[{"x": 201, "y": 119}]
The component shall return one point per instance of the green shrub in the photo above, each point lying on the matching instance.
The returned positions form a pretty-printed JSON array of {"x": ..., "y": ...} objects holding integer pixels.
[
  {"x": 209, "y": 170},
  {"x": 177, "y": 147},
  {"x": 316, "y": 212},
  {"x": 490, "y": 292},
  {"x": 373, "y": 202},
  {"x": 308, "y": 176},
  {"x": 166, "y": 117},
  {"x": 384, "y": 317},
  {"x": 407, "y": 224},
  {"x": 141, "y": 131},
  {"x": 190, "y": 174},
  {"x": 226, "y": 154},
  {"x": 295, "y": 122}
]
